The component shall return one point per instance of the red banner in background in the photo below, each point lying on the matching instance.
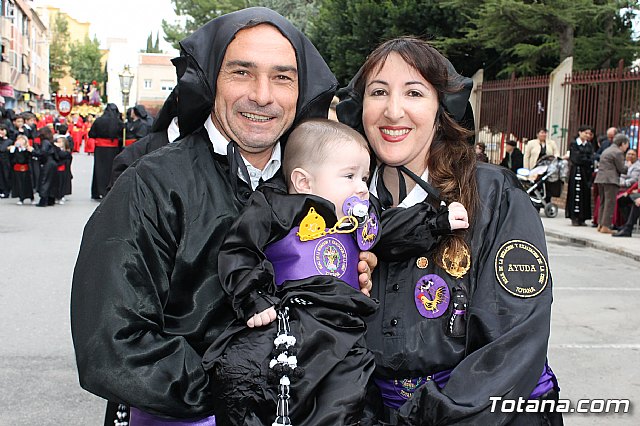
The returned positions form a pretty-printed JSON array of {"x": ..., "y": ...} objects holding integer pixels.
[{"x": 64, "y": 104}]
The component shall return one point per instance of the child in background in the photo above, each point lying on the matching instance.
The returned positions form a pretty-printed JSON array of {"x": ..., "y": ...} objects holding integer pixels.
[
  {"x": 63, "y": 169},
  {"x": 5, "y": 164},
  {"x": 293, "y": 256},
  {"x": 20, "y": 155}
]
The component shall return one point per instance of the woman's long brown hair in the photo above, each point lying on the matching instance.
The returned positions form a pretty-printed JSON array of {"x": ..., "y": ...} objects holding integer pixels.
[{"x": 451, "y": 160}]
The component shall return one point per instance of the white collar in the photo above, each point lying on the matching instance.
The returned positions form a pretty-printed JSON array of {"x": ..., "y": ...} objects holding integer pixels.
[
  {"x": 414, "y": 197},
  {"x": 220, "y": 147},
  {"x": 173, "y": 132}
]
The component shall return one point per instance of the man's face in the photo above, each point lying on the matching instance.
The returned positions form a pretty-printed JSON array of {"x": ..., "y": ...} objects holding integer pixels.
[
  {"x": 632, "y": 156},
  {"x": 542, "y": 136},
  {"x": 18, "y": 122},
  {"x": 611, "y": 132},
  {"x": 257, "y": 89}
]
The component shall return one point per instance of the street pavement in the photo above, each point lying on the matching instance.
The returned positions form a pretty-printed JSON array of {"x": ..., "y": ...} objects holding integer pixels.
[{"x": 594, "y": 344}]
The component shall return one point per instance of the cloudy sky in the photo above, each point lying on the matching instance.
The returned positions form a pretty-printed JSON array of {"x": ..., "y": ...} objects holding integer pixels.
[{"x": 131, "y": 19}]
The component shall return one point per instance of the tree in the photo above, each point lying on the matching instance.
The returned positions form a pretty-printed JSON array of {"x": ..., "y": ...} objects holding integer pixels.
[
  {"x": 84, "y": 61},
  {"x": 533, "y": 37},
  {"x": 151, "y": 47},
  {"x": 58, "y": 51},
  {"x": 346, "y": 31},
  {"x": 199, "y": 12}
]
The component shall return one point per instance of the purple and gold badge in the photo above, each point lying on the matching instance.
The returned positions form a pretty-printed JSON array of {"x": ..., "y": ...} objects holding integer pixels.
[
  {"x": 330, "y": 257},
  {"x": 367, "y": 234},
  {"x": 432, "y": 296}
]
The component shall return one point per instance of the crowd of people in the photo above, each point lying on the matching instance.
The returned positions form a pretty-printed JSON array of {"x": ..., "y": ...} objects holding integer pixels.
[
  {"x": 273, "y": 268},
  {"x": 603, "y": 176},
  {"x": 36, "y": 151}
]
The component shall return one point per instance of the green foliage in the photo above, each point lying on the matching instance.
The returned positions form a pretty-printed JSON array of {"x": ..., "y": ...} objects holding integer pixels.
[
  {"x": 58, "y": 51},
  {"x": 199, "y": 12},
  {"x": 84, "y": 61},
  {"x": 346, "y": 31},
  {"x": 151, "y": 47}
]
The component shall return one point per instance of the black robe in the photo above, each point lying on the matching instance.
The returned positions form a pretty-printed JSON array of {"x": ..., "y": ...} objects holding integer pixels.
[
  {"x": 146, "y": 300},
  {"x": 48, "y": 157},
  {"x": 22, "y": 184},
  {"x": 130, "y": 154},
  {"x": 329, "y": 332},
  {"x": 107, "y": 126},
  {"x": 504, "y": 346},
  {"x": 578, "y": 206},
  {"x": 6, "y": 177},
  {"x": 64, "y": 174}
]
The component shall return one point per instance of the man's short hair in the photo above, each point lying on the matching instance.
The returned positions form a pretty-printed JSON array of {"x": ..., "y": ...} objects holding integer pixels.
[
  {"x": 311, "y": 141},
  {"x": 620, "y": 139},
  {"x": 542, "y": 129}
]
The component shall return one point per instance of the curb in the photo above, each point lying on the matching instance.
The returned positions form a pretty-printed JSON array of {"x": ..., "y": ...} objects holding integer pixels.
[{"x": 593, "y": 244}]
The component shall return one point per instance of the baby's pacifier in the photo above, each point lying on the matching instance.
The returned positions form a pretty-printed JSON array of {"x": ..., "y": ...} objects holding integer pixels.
[{"x": 368, "y": 225}]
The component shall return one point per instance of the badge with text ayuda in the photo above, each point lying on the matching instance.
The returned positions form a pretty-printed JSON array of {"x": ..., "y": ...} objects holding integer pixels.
[
  {"x": 521, "y": 268},
  {"x": 432, "y": 296},
  {"x": 368, "y": 224}
]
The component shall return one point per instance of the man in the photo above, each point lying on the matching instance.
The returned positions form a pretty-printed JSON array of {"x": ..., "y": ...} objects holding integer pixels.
[
  {"x": 513, "y": 156},
  {"x": 610, "y": 167},
  {"x": 634, "y": 215},
  {"x": 611, "y": 132},
  {"x": 146, "y": 300},
  {"x": 538, "y": 148},
  {"x": 633, "y": 169}
]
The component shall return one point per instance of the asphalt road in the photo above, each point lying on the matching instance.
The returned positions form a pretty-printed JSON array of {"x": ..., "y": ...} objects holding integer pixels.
[{"x": 594, "y": 347}]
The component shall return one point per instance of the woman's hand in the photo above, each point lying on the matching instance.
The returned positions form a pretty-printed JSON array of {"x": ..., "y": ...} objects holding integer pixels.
[
  {"x": 458, "y": 218},
  {"x": 366, "y": 265}
]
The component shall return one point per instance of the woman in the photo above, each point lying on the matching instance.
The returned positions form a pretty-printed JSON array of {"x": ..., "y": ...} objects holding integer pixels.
[
  {"x": 578, "y": 207},
  {"x": 471, "y": 321}
]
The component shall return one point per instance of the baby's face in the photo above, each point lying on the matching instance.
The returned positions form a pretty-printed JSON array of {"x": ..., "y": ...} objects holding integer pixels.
[{"x": 343, "y": 174}]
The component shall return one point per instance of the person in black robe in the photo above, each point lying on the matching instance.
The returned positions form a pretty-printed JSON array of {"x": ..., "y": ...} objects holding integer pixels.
[
  {"x": 143, "y": 316},
  {"x": 578, "y": 205},
  {"x": 513, "y": 157},
  {"x": 20, "y": 156},
  {"x": 6, "y": 177},
  {"x": 107, "y": 132},
  {"x": 48, "y": 155},
  {"x": 164, "y": 130},
  {"x": 63, "y": 169},
  {"x": 469, "y": 321},
  {"x": 264, "y": 265}
]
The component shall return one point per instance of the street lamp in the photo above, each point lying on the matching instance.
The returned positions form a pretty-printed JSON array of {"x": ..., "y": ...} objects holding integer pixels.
[{"x": 126, "y": 79}]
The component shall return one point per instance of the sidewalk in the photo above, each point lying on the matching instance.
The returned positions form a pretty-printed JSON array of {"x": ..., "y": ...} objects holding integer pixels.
[{"x": 560, "y": 227}]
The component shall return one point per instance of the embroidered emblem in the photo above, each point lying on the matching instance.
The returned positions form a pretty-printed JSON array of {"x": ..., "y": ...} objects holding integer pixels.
[
  {"x": 456, "y": 264},
  {"x": 432, "y": 296},
  {"x": 406, "y": 387},
  {"x": 521, "y": 269},
  {"x": 367, "y": 234},
  {"x": 422, "y": 262},
  {"x": 330, "y": 257}
]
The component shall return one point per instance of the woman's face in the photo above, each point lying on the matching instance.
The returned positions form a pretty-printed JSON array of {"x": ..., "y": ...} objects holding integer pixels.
[{"x": 399, "y": 111}]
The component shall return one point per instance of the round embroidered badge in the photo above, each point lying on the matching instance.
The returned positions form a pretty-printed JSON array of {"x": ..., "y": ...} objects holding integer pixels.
[
  {"x": 521, "y": 268},
  {"x": 330, "y": 257},
  {"x": 432, "y": 296}
]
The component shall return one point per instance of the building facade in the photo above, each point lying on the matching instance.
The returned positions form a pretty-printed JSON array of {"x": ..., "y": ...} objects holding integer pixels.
[
  {"x": 155, "y": 81},
  {"x": 24, "y": 64}
]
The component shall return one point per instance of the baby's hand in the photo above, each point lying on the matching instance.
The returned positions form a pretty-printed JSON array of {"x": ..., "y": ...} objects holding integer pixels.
[
  {"x": 263, "y": 318},
  {"x": 458, "y": 218}
]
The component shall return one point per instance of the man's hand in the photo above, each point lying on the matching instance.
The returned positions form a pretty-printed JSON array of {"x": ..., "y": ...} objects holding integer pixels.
[
  {"x": 366, "y": 265},
  {"x": 262, "y": 318}
]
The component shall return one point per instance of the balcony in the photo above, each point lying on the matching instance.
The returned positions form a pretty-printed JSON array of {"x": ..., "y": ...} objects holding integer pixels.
[
  {"x": 5, "y": 72},
  {"x": 22, "y": 84}
]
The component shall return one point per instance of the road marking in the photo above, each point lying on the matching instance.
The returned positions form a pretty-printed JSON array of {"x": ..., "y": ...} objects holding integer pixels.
[
  {"x": 592, "y": 346},
  {"x": 598, "y": 288}
]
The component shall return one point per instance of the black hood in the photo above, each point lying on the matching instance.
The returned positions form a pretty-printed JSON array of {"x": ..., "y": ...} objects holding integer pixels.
[
  {"x": 111, "y": 110},
  {"x": 167, "y": 112},
  {"x": 456, "y": 103},
  {"x": 141, "y": 111},
  {"x": 201, "y": 56}
]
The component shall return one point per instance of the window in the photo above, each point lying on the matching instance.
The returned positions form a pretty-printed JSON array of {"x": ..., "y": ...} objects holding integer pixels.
[
  {"x": 167, "y": 85},
  {"x": 147, "y": 83}
]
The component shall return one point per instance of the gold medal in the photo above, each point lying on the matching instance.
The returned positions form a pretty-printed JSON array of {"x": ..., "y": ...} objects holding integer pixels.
[
  {"x": 456, "y": 264},
  {"x": 422, "y": 262}
]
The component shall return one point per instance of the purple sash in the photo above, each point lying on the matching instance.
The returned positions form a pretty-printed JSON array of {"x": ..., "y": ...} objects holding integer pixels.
[
  {"x": 334, "y": 254},
  {"x": 396, "y": 391},
  {"x": 140, "y": 418}
]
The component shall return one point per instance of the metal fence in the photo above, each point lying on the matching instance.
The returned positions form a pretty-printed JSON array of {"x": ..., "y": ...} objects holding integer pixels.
[
  {"x": 511, "y": 109},
  {"x": 602, "y": 99}
]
